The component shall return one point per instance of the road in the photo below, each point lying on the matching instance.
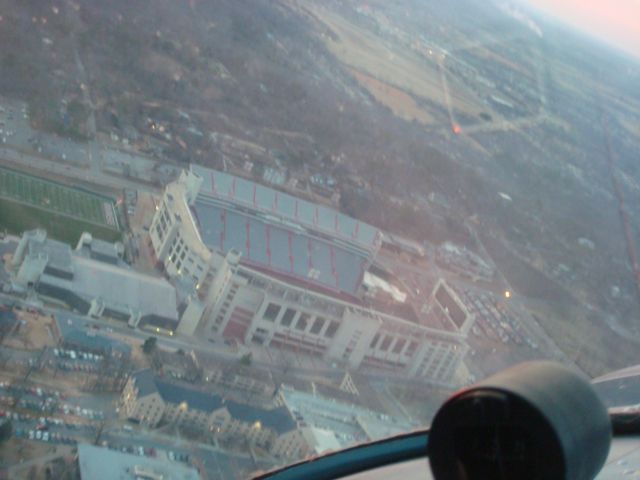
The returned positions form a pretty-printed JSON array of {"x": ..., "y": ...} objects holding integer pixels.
[
  {"x": 42, "y": 166},
  {"x": 25, "y": 148}
]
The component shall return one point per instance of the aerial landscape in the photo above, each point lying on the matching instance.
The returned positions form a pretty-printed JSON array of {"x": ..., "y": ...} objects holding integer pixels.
[{"x": 235, "y": 234}]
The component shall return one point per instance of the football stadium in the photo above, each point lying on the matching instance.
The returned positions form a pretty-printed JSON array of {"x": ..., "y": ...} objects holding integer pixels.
[{"x": 281, "y": 233}]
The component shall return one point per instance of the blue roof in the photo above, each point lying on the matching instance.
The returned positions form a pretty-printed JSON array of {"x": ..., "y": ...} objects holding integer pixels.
[
  {"x": 74, "y": 330},
  {"x": 277, "y": 419},
  {"x": 195, "y": 399}
]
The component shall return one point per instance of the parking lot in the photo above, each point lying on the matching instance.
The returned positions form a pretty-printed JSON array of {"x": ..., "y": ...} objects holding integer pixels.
[{"x": 493, "y": 318}]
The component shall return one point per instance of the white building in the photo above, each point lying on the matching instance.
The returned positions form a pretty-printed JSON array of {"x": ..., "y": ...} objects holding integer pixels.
[
  {"x": 91, "y": 279},
  {"x": 272, "y": 270},
  {"x": 107, "y": 464}
]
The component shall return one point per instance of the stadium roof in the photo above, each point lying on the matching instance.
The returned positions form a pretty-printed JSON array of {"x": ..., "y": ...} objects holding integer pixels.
[{"x": 286, "y": 208}]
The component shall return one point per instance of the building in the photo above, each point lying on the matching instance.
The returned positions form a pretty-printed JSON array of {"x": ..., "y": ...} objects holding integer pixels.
[
  {"x": 92, "y": 280},
  {"x": 270, "y": 269},
  {"x": 348, "y": 423},
  {"x": 305, "y": 442},
  {"x": 153, "y": 401},
  {"x": 105, "y": 464},
  {"x": 398, "y": 244},
  {"x": 74, "y": 335}
]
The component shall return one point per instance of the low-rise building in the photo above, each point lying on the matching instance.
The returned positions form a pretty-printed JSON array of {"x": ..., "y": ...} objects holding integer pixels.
[
  {"x": 72, "y": 334},
  {"x": 106, "y": 464},
  {"x": 91, "y": 280},
  {"x": 349, "y": 423},
  {"x": 305, "y": 442},
  {"x": 153, "y": 401}
]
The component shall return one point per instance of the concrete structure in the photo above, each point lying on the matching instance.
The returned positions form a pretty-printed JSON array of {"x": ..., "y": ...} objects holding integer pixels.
[
  {"x": 92, "y": 280},
  {"x": 105, "y": 464},
  {"x": 272, "y": 270},
  {"x": 152, "y": 401},
  {"x": 348, "y": 423}
]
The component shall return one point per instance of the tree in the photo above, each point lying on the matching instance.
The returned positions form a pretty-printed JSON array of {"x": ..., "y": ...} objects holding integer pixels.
[
  {"x": 149, "y": 346},
  {"x": 5, "y": 431},
  {"x": 246, "y": 359}
]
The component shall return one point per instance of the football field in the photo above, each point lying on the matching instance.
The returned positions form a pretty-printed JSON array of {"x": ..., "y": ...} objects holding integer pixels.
[{"x": 29, "y": 202}]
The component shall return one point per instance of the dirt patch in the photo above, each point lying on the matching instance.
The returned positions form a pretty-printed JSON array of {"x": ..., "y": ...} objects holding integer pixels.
[
  {"x": 138, "y": 358},
  {"x": 400, "y": 103},
  {"x": 140, "y": 223},
  {"x": 33, "y": 333}
]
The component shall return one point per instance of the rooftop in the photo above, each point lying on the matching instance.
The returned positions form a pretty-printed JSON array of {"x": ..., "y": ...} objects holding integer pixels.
[
  {"x": 277, "y": 419},
  {"x": 58, "y": 253},
  {"x": 321, "y": 440},
  {"x": 74, "y": 331},
  {"x": 101, "y": 250},
  {"x": 97, "y": 462},
  {"x": 350, "y": 423},
  {"x": 118, "y": 287}
]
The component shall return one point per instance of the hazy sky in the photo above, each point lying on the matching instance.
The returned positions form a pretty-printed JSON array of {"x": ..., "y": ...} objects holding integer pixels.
[{"x": 614, "y": 21}]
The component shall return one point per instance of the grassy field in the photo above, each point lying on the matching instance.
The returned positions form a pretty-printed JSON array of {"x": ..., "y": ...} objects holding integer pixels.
[
  {"x": 28, "y": 202},
  {"x": 396, "y": 68}
]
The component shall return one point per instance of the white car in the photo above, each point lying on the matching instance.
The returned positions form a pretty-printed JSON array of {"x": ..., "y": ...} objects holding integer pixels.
[
  {"x": 32, "y": 434},
  {"x": 38, "y": 435},
  {"x": 45, "y": 437}
]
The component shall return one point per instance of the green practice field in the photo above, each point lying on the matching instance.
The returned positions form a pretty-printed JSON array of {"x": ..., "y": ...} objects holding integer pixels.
[{"x": 28, "y": 202}]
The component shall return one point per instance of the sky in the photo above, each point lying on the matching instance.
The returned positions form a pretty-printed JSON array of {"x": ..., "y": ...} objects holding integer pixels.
[{"x": 616, "y": 22}]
